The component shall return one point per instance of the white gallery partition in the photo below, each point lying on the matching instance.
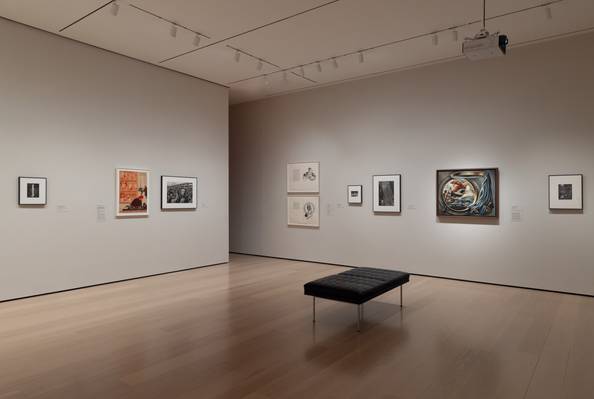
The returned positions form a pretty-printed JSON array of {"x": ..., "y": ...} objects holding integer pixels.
[
  {"x": 73, "y": 113},
  {"x": 530, "y": 114}
]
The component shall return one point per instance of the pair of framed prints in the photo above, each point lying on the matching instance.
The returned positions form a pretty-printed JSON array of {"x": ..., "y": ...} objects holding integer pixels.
[
  {"x": 303, "y": 201},
  {"x": 387, "y": 196},
  {"x": 133, "y": 188}
]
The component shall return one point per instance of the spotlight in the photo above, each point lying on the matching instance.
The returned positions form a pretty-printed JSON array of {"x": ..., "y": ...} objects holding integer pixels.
[
  {"x": 115, "y": 9},
  {"x": 173, "y": 30},
  {"x": 197, "y": 40},
  {"x": 301, "y": 70},
  {"x": 435, "y": 40},
  {"x": 319, "y": 65},
  {"x": 237, "y": 55},
  {"x": 455, "y": 35},
  {"x": 549, "y": 12},
  {"x": 361, "y": 57},
  {"x": 335, "y": 63},
  {"x": 260, "y": 65}
]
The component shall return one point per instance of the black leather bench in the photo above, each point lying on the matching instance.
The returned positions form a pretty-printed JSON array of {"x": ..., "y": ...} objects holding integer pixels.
[{"x": 356, "y": 286}]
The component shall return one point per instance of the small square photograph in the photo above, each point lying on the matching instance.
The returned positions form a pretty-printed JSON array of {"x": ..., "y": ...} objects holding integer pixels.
[
  {"x": 32, "y": 191},
  {"x": 566, "y": 192},
  {"x": 355, "y": 194}
]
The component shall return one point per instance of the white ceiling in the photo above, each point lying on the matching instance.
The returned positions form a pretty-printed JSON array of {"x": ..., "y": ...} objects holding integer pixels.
[{"x": 285, "y": 34}]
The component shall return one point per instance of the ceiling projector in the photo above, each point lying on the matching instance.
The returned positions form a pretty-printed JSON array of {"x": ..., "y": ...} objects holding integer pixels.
[{"x": 484, "y": 45}]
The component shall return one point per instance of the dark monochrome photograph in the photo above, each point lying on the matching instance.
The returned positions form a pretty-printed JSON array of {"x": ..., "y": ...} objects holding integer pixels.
[
  {"x": 178, "y": 192},
  {"x": 565, "y": 192},
  {"x": 32, "y": 190},
  {"x": 386, "y": 193}
]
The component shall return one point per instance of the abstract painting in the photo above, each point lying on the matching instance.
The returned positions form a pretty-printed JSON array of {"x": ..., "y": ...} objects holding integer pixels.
[
  {"x": 386, "y": 193},
  {"x": 355, "y": 195},
  {"x": 566, "y": 192},
  {"x": 468, "y": 192},
  {"x": 303, "y": 177},
  {"x": 32, "y": 191},
  {"x": 132, "y": 194},
  {"x": 179, "y": 192},
  {"x": 303, "y": 211}
]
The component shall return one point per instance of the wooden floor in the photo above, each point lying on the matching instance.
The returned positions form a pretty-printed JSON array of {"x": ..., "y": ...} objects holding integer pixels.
[{"x": 244, "y": 330}]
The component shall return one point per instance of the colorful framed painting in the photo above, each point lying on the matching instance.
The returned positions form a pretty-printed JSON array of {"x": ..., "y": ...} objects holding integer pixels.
[
  {"x": 32, "y": 191},
  {"x": 303, "y": 177},
  {"x": 179, "y": 192},
  {"x": 132, "y": 192},
  {"x": 303, "y": 211},
  {"x": 468, "y": 192},
  {"x": 566, "y": 192},
  {"x": 355, "y": 194},
  {"x": 387, "y": 194}
]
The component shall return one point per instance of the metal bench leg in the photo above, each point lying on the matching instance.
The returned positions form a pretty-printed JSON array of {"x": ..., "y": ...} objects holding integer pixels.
[
  {"x": 400, "y": 296},
  {"x": 314, "y": 309}
]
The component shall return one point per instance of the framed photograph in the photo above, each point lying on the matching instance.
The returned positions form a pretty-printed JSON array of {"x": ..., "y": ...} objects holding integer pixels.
[
  {"x": 179, "y": 192},
  {"x": 566, "y": 192},
  {"x": 303, "y": 177},
  {"x": 386, "y": 193},
  {"x": 355, "y": 195},
  {"x": 132, "y": 192},
  {"x": 32, "y": 191},
  {"x": 468, "y": 192},
  {"x": 303, "y": 211}
]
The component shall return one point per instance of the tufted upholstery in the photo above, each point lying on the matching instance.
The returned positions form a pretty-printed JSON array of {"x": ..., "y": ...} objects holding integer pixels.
[{"x": 356, "y": 286}]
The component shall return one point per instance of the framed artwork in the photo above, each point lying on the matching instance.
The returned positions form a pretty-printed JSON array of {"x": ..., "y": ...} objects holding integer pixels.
[
  {"x": 387, "y": 193},
  {"x": 179, "y": 192},
  {"x": 303, "y": 211},
  {"x": 355, "y": 195},
  {"x": 566, "y": 192},
  {"x": 468, "y": 192},
  {"x": 32, "y": 191},
  {"x": 132, "y": 192},
  {"x": 303, "y": 177}
]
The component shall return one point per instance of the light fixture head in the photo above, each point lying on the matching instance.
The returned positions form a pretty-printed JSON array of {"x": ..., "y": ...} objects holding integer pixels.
[
  {"x": 197, "y": 40},
  {"x": 455, "y": 35},
  {"x": 260, "y": 65},
  {"x": 335, "y": 63},
  {"x": 115, "y": 9},
  {"x": 435, "y": 39},
  {"x": 237, "y": 55},
  {"x": 319, "y": 66},
  {"x": 549, "y": 12},
  {"x": 285, "y": 77},
  {"x": 173, "y": 30},
  {"x": 302, "y": 70},
  {"x": 361, "y": 57}
]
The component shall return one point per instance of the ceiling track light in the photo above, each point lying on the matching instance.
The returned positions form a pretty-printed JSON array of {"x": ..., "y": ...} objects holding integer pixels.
[
  {"x": 260, "y": 65},
  {"x": 319, "y": 66},
  {"x": 455, "y": 35},
  {"x": 335, "y": 63},
  {"x": 237, "y": 55},
  {"x": 302, "y": 70},
  {"x": 285, "y": 77},
  {"x": 173, "y": 30},
  {"x": 115, "y": 8},
  {"x": 435, "y": 39},
  {"x": 197, "y": 40},
  {"x": 549, "y": 12},
  {"x": 361, "y": 57}
]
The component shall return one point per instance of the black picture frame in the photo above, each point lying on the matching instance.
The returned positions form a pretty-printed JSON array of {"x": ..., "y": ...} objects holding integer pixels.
[
  {"x": 437, "y": 191},
  {"x": 19, "y": 196},
  {"x": 379, "y": 212},
  {"x": 349, "y": 194},
  {"x": 195, "y": 195},
  {"x": 581, "y": 176}
]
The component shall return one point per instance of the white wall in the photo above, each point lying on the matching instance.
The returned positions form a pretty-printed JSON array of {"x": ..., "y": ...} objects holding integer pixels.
[
  {"x": 530, "y": 114},
  {"x": 73, "y": 113}
]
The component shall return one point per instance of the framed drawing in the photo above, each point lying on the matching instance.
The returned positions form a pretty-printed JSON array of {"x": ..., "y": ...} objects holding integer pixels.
[
  {"x": 386, "y": 193},
  {"x": 355, "y": 195},
  {"x": 32, "y": 191},
  {"x": 303, "y": 211},
  {"x": 566, "y": 192},
  {"x": 303, "y": 177},
  {"x": 468, "y": 192},
  {"x": 179, "y": 192},
  {"x": 132, "y": 188}
]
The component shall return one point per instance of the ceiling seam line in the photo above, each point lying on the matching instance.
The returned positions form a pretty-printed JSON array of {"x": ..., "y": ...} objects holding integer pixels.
[{"x": 86, "y": 16}]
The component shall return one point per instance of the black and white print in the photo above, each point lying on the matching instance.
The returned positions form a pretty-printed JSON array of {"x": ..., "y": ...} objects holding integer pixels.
[
  {"x": 355, "y": 194},
  {"x": 566, "y": 192},
  {"x": 303, "y": 211},
  {"x": 303, "y": 177},
  {"x": 32, "y": 191},
  {"x": 179, "y": 192},
  {"x": 386, "y": 193}
]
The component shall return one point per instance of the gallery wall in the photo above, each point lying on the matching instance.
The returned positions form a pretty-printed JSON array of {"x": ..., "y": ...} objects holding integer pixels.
[
  {"x": 74, "y": 113},
  {"x": 529, "y": 114}
]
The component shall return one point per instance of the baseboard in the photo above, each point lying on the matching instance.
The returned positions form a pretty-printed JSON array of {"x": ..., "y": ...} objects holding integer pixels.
[
  {"x": 426, "y": 275},
  {"x": 111, "y": 282}
]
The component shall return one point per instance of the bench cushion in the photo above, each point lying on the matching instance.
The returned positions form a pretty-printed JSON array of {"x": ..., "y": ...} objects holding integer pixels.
[{"x": 356, "y": 286}]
